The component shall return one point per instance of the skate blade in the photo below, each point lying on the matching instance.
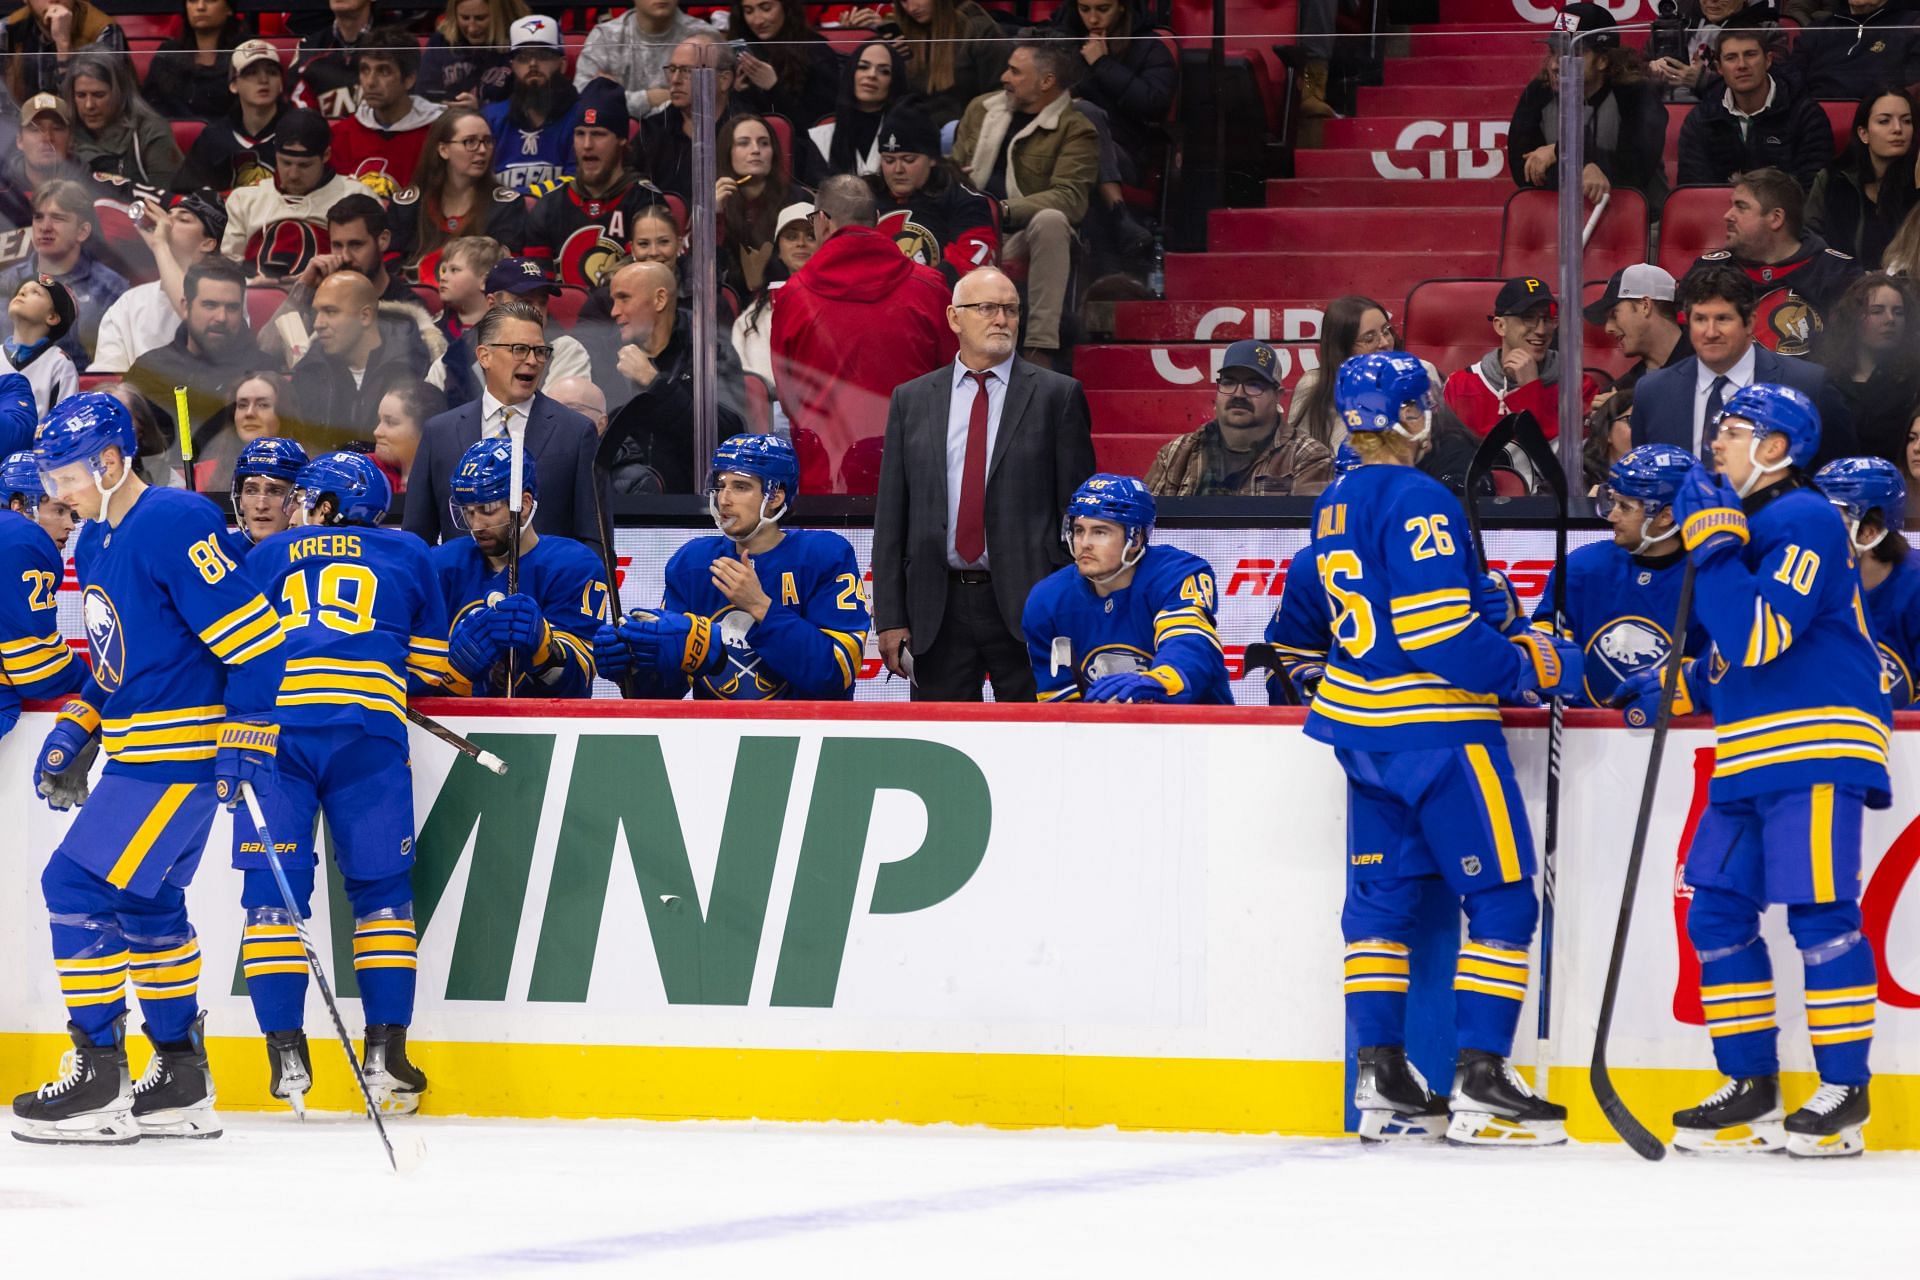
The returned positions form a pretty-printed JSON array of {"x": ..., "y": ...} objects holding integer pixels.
[
  {"x": 182, "y": 1122},
  {"x": 110, "y": 1129},
  {"x": 1762, "y": 1137},
  {"x": 1813, "y": 1146},
  {"x": 1383, "y": 1127},
  {"x": 1481, "y": 1129}
]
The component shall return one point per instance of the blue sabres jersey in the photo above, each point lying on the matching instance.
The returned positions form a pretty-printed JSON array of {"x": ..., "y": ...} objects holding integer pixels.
[
  {"x": 34, "y": 659},
  {"x": 810, "y": 643},
  {"x": 1797, "y": 697},
  {"x": 179, "y": 637},
  {"x": 1620, "y": 611},
  {"x": 562, "y": 576},
  {"x": 1162, "y": 623},
  {"x": 1412, "y": 665},
  {"x": 364, "y": 623},
  {"x": 1893, "y": 610}
]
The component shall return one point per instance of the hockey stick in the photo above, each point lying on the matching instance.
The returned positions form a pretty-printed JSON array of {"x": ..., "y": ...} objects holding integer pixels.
[
  {"x": 1624, "y": 1122},
  {"x": 607, "y": 560},
  {"x": 183, "y": 425},
  {"x": 1492, "y": 446},
  {"x": 480, "y": 755},
  {"x": 408, "y": 1155},
  {"x": 516, "y": 473}
]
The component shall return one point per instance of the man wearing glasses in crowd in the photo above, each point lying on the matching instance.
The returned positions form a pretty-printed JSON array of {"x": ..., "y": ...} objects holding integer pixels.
[
  {"x": 514, "y": 355},
  {"x": 1248, "y": 449}
]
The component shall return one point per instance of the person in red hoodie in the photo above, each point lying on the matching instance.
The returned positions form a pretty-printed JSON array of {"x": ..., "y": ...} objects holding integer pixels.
[
  {"x": 856, "y": 321},
  {"x": 379, "y": 144},
  {"x": 1522, "y": 374}
]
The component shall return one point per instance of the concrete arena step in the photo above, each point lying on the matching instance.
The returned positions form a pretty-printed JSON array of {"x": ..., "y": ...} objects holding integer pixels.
[
  {"x": 1470, "y": 101},
  {"x": 1375, "y": 192},
  {"x": 1496, "y": 71},
  {"x": 1408, "y": 166},
  {"x": 1387, "y": 276},
  {"x": 1483, "y": 129},
  {"x": 1413, "y": 228},
  {"x": 1174, "y": 366},
  {"x": 1293, "y": 320}
]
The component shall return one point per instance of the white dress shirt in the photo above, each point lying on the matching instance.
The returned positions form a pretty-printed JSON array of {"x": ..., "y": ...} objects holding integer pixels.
[
  {"x": 492, "y": 425},
  {"x": 1741, "y": 375},
  {"x": 959, "y": 416}
]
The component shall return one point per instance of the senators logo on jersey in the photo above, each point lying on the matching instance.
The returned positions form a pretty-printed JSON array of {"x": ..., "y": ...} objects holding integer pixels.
[
  {"x": 1783, "y": 322},
  {"x": 586, "y": 257}
]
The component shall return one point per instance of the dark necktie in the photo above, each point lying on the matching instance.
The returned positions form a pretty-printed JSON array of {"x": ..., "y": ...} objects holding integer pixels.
[
  {"x": 970, "y": 530},
  {"x": 1710, "y": 424}
]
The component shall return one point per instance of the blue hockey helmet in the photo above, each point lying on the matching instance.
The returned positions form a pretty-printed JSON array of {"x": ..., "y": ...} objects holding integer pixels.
[
  {"x": 768, "y": 458},
  {"x": 485, "y": 474},
  {"x": 1345, "y": 459},
  {"x": 274, "y": 456},
  {"x": 1371, "y": 390},
  {"x": 20, "y": 476},
  {"x": 1650, "y": 474},
  {"x": 1774, "y": 409},
  {"x": 1121, "y": 499},
  {"x": 359, "y": 489},
  {"x": 1860, "y": 486},
  {"x": 81, "y": 428}
]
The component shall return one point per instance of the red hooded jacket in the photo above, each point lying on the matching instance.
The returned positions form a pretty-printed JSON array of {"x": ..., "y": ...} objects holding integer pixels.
[{"x": 857, "y": 321}]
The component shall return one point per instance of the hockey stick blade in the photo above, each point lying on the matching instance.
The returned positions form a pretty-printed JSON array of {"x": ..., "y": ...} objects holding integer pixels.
[
  {"x": 1639, "y": 1139},
  {"x": 1493, "y": 445}
]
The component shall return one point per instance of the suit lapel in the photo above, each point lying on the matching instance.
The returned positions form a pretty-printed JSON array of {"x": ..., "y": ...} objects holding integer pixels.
[
  {"x": 1012, "y": 412},
  {"x": 942, "y": 414}
]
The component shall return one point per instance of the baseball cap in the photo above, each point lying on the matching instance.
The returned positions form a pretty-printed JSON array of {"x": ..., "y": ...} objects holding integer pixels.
[
  {"x": 520, "y": 276},
  {"x": 1521, "y": 295},
  {"x": 248, "y": 52},
  {"x": 1641, "y": 280},
  {"x": 1584, "y": 18},
  {"x": 302, "y": 132},
  {"x": 602, "y": 105},
  {"x": 64, "y": 308},
  {"x": 41, "y": 103},
  {"x": 791, "y": 214},
  {"x": 536, "y": 31},
  {"x": 1252, "y": 357}
]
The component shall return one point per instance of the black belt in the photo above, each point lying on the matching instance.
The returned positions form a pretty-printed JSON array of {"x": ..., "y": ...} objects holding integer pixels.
[{"x": 972, "y": 577}]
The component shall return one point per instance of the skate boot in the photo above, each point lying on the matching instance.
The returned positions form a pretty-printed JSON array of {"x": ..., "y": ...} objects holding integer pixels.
[
  {"x": 292, "y": 1068},
  {"x": 92, "y": 1101},
  {"x": 174, "y": 1098},
  {"x": 1830, "y": 1123},
  {"x": 396, "y": 1084},
  {"x": 1493, "y": 1108},
  {"x": 1393, "y": 1099},
  {"x": 1741, "y": 1115}
]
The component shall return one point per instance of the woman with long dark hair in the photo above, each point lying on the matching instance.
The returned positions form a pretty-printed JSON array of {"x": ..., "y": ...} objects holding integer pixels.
[
  {"x": 1871, "y": 348},
  {"x": 454, "y": 194},
  {"x": 191, "y": 73},
  {"x": 786, "y": 68},
  {"x": 1351, "y": 326},
  {"x": 1859, "y": 201},
  {"x": 750, "y": 193},
  {"x": 1626, "y": 122},
  {"x": 874, "y": 79},
  {"x": 114, "y": 130}
]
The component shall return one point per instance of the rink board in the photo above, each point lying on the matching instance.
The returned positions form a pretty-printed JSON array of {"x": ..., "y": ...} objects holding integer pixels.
[{"x": 1004, "y": 916}]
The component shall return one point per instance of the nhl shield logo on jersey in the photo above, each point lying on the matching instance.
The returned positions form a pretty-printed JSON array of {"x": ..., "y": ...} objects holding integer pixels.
[
  {"x": 1623, "y": 648},
  {"x": 106, "y": 638}
]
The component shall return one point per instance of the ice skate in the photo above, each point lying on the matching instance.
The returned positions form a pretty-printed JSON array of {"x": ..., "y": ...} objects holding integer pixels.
[
  {"x": 396, "y": 1084},
  {"x": 292, "y": 1068},
  {"x": 1830, "y": 1124},
  {"x": 1493, "y": 1108},
  {"x": 91, "y": 1102},
  {"x": 1393, "y": 1099},
  {"x": 1741, "y": 1116},
  {"x": 174, "y": 1098}
]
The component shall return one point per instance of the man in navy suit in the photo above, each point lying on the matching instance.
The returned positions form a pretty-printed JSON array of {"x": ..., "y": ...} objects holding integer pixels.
[
  {"x": 513, "y": 352},
  {"x": 1680, "y": 404}
]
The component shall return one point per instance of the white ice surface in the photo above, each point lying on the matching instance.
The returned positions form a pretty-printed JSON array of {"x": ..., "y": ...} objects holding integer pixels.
[{"x": 276, "y": 1198}]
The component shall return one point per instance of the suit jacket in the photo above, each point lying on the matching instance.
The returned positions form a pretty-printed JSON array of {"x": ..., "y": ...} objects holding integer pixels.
[
  {"x": 1041, "y": 453},
  {"x": 1663, "y": 402},
  {"x": 561, "y": 444}
]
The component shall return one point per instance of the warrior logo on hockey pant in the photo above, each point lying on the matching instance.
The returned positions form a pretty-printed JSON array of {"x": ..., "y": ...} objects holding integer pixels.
[{"x": 106, "y": 639}]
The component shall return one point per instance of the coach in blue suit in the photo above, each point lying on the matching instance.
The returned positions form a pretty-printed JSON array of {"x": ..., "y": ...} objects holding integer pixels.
[
  {"x": 1675, "y": 405},
  {"x": 560, "y": 441}
]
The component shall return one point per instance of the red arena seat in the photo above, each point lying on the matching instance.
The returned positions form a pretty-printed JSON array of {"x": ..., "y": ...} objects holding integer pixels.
[
  {"x": 1446, "y": 321},
  {"x": 262, "y": 302},
  {"x": 186, "y": 133},
  {"x": 1693, "y": 222},
  {"x": 1530, "y": 235}
]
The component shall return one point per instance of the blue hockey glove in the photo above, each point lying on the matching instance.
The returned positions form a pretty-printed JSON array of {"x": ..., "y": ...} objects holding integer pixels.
[
  {"x": 611, "y": 657},
  {"x": 1639, "y": 695},
  {"x": 472, "y": 648},
  {"x": 1305, "y": 678},
  {"x": 1495, "y": 602},
  {"x": 60, "y": 773},
  {"x": 1549, "y": 666},
  {"x": 1708, "y": 511},
  {"x": 670, "y": 643},
  {"x": 519, "y": 629},
  {"x": 245, "y": 754},
  {"x": 1126, "y": 686}
]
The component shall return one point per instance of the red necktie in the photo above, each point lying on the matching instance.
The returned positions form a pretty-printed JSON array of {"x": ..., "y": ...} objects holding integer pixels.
[{"x": 970, "y": 533}]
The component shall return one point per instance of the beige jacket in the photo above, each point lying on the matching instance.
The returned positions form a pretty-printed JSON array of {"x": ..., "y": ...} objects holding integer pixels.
[{"x": 1055, "y": 161}]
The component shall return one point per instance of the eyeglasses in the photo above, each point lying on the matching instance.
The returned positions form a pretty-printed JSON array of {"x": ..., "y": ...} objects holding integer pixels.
[
  {"x": 480, "y": 143},
  {"x": 522, "y": 351},
  {"x": 989, "y": 310},
  {"x": 1243, "y": 386},
  {"x": 681, "y": 73},
  {"x": 1383, "y": 336}
]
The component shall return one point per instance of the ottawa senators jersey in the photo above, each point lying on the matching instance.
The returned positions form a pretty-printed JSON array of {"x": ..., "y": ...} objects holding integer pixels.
[
  {"x": 1794, "y": 298},
  {"x": 953, "y": 231},
  {"x": 409, "y": 211},
  {"x": 581, "y": 235}
]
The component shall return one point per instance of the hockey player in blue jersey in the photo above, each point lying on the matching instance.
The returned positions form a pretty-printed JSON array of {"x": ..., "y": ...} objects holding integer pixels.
[
  {"x": 262, "y": 482},
  {"x": 365, "y": 626},
  {"x": 1301, "y": 629},
  {"x": 1125, "y": 622},
  {"x": 548, "y": 626},
  {"x": 1622, "y": 594},
  {"x": 756, "y": 612},
  {"x": 34, "y": 659},
  {"x": 186, "y": 659},
  {"x": 1410, "y": 703},
  {"x": 1802, "y": 727},
  {"x": 1872, "y": 495}
]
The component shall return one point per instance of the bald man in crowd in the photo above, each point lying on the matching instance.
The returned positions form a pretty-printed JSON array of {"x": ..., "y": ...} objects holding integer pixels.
[
  {"x": 584, "y": 397},
  {"x": 360, "y": 352}
]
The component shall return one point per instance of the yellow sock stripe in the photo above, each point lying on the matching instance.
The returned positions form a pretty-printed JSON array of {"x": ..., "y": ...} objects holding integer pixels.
[
  {"x": 1735, "y": 991},
  {"x": 1481, "y": 986},
  {"x": 76, "y": 1000},
  {"x": 266, "y": 969},
  {"x": 275, "y": 931},
  {"x": 1847, "y": 1036},
  {"x": 1497, "y": 972},
  {"x": 1740, "y": 1026},
  {"x": 88, "y": 983},
  {"x": 1381, "y": 983},
  {"x": 1842, "y": 995},
  {"x": 1486, "y": 952},
  {"x": 276, "y": 949},
  {"x": 1841, "y": 1015},
  {"x": 95, "y": 964},
  {"x": 1726, "y": 1009},
  {"x": 1359, "y": 966},
  {"x": 1379, "y": 948}
]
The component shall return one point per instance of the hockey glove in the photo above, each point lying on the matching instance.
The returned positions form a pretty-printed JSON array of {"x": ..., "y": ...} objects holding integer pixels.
[
  {"x": 1494, "y": 600},
  {"x": 1305, "y": 680},
  {"x": 519, "y": 629},
  {"x": 1126, "y": 686},
  {"x": 1639, "y": 695},
  {"x": 472, "y": 648},
  {"x": 1549, "y": 667},
  {"x": 245, "y": 754},
  {"x": 670, "y": 643},
  {"x": 1712, "y": 521},
  {"x": 611, "y": 657},
  {"x": 60, "y": 774}
]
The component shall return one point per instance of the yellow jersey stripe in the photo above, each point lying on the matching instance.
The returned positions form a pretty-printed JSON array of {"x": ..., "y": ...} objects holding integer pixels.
[
  {"x": 1426, "y": 600},
  {"x": 156, "y": 821}
]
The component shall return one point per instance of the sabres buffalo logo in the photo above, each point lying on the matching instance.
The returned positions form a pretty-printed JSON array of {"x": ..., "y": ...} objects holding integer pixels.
[
  {"x": 586, "y": 257},
  {"x": 745, "y": 677},
  {"x": 1896, "y": 681},
  {"x": 1113, "y": 659},
  {"x": 284, "y": 248},
  {"x": 106, "y": 638},
  {"x": 914, "y": 238},
  {"x": 1623, "y": 648},
  {"x": 1783, "y": 322}
]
